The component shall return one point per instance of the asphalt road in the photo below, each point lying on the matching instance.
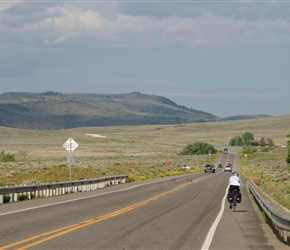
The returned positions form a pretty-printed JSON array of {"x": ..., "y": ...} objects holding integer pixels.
[{"x": 184, "y": 212}]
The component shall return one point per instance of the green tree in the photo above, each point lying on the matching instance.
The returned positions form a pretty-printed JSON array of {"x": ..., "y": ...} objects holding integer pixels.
[
  {"x": 232, "y": 142},
  {"x": 198, "y": 148},
  {"x": 288, "y": 146},
  {"x": 271, "y": 143},
  {"x": 236, "y": 141},
  {"x": 239, "y": 141},
  {"x": 247, "y": 137},
  {"x": 263, "y": 142}
]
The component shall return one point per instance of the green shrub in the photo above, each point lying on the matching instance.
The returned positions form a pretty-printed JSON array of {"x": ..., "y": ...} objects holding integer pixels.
[
  {"x": 198, "y": 148},
  {"x": 288, "y": 146},
  {"x": 6, "y": 198},
  {"x": 22, "y": 197},
  {"x": 249, "y": 150},
  {"x": 6, "y": 157},
  {"x": 142, "y": 178},
  {"x": 131, "y": 178},
  {"x": 264, "y": 149}
]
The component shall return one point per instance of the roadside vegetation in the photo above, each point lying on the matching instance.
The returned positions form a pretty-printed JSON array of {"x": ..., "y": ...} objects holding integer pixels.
[
  {"x": 270, "y": 171},
  {"x": 198, "y": 148},
  {"x": 288, "y": 155},
  {"x": 266, "y": 164},
  {"x": 6, "y": 157},
  {"x": 149, "y": 151}
]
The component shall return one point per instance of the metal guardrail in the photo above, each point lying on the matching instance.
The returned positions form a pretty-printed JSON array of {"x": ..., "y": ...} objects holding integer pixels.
[
  {"x": 13, "y": 193},
  {"x": 280, "y": 221}
]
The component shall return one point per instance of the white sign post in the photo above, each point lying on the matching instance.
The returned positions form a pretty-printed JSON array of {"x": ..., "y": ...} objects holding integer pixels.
[{"x": 70, "y": 145}]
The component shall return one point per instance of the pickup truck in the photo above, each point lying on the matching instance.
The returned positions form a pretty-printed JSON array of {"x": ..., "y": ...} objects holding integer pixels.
[{"x": 228, "y": 167}]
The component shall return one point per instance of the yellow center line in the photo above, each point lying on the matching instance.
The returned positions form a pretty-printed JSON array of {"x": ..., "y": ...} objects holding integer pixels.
[{"x": 65, "y": 230}]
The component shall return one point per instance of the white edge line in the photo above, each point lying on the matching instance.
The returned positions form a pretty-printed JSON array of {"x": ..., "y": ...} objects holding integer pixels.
[{"x": 207, "y": 242}]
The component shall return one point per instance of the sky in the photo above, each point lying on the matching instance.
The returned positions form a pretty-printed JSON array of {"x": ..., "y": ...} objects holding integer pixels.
[{"x": 225, "y": 58}]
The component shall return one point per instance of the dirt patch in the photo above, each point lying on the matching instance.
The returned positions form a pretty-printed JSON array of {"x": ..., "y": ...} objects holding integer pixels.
[{"x": 96, "y": 135}]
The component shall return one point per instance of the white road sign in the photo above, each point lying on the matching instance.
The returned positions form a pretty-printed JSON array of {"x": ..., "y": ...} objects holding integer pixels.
[{"x": 70, "y": 145}]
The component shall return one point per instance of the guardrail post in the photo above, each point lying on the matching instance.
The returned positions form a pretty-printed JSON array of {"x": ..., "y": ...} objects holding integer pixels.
[{"x": 14, "y": 197}]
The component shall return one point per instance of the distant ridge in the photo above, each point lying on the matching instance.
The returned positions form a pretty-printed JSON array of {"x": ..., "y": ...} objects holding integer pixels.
[
  {"x": 244, "y": 117},
  {"x": 53, "y": 110}
]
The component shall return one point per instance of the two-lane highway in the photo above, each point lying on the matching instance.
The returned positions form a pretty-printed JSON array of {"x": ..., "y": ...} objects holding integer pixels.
[{"x": 184, "y": 212}]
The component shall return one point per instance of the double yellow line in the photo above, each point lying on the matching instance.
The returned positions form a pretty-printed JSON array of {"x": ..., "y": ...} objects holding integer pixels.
[{"x": 40, "y": 238}]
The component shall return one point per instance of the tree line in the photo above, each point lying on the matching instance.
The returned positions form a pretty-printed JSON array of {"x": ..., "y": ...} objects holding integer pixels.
[{"x": 248, "y": 139}]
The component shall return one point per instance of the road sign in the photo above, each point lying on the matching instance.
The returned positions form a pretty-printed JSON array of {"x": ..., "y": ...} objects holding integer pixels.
[{"x": 70, "y": 145}]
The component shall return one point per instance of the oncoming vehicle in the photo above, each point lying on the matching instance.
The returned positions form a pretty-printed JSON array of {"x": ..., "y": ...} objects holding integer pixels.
[
  {"x": 209, "y": 168},
  {"x": 220, "y": 165},
  {"x": 184, "y": 168},
  {"x": 228, "y": 167},
  {"x": 225, "y": 151}
]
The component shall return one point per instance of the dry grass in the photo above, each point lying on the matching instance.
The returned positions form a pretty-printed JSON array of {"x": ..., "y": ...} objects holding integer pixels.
[
  {"x": 137, "y": 150},
  {"x": 270, "y": 172}
]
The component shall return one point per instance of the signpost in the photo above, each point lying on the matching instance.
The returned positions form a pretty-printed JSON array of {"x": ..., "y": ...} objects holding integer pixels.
[{"x": 70, "y": 145}]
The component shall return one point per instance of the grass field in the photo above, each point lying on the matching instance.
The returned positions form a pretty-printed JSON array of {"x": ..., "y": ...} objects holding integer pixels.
[{"x": 140, "y": 150}]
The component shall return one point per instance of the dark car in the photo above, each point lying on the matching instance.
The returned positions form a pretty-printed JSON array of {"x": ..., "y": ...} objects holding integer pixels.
[
  {"x": 220, "y": 166},
  {"x": 209, "y": 168}
]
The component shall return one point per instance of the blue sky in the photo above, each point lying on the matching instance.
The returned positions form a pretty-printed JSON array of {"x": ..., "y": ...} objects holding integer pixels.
[{"x": 222, "y": 57}]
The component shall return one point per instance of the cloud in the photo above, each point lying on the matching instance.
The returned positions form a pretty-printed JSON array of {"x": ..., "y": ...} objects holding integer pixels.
[
  {"x": 66, "y": 24},
  {"x": 6, "y": 5}
]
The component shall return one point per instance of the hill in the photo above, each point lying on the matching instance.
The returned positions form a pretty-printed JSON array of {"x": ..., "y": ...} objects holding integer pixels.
[
  {"x": 53, "y": 110},
  {"x": 244, "y": 117}
]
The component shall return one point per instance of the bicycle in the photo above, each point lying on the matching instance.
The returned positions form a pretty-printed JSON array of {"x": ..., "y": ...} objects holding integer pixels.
[{"x": 234, "y": 202}]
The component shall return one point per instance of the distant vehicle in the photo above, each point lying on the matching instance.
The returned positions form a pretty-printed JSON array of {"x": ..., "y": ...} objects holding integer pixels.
[
  {"x": 209, "y": 168},
  {"x": 228, "y": 167},
  {"x": 225, "y": 151},
  {"x": 220, "y": 165},
  {"x": 184, "y": 168}
]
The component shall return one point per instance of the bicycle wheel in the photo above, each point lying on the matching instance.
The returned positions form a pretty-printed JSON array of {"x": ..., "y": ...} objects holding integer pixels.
[{"x": 234, "y": 199}]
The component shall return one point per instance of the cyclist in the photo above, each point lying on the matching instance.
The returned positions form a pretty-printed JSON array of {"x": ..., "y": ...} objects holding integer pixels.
[{"x": 234, "y": 183}]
